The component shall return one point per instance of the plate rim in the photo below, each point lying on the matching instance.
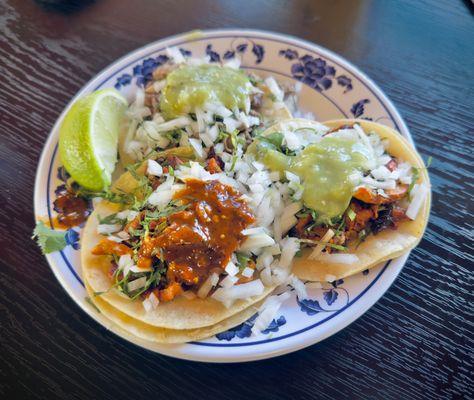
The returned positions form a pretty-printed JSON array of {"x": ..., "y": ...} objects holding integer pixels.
[{"x": 210, "y": 34}]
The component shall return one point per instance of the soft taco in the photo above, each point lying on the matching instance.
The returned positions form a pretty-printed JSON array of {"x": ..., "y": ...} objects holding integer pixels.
[
  {"x": 167, "y": 257},
  {"x": 163, "y": 335},
  {"x": 361, "y": 193}
]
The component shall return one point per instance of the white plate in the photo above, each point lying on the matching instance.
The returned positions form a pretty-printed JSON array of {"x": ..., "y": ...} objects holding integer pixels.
[{"x": 332, "y": 88}]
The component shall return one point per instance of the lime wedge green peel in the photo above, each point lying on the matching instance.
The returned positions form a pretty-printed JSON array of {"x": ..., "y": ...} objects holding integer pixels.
[{"x": 88, "y": 138}]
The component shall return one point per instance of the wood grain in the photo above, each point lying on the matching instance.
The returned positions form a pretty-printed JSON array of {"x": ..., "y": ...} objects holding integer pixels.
[{"x": 415, "y": 343}]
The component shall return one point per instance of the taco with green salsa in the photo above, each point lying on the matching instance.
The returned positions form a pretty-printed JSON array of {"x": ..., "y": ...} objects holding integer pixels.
[{"x": 360, "y": 191}]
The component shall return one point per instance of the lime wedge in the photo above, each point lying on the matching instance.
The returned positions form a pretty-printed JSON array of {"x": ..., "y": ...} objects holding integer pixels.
[{"x": 88, "y": 138}]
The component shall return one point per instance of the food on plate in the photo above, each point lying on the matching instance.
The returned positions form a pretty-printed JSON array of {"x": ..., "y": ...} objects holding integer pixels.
[
  {"x": 223, "y": 202},
  {"x": 361, "y": 193},
  {"x": 88, "y": 138},
  {"x": 193, "y": 102}
]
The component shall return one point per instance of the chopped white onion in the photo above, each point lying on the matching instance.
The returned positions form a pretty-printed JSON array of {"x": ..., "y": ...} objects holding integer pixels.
[
  {"x": 256, "y": 242},
  {"x": 172, "y": 124},
  {"x": 153, "y": 168},
  {"x": 132, "y": 215},
  {"x": 248, "y": 272},
  {"x": 268, "y": 312},
  {"x": 253, "y": 231},
  {"x": 299, "y": 287},
  {"x": 243, "y": 291},
  {"x": 231, "y": 269},
  {"x": 288, "y": 219},
  {"x": 274, "y": 88},
  {"x": 229, "y": 281},
  {"x": 218, "y": 109},
  {"x": 136, "y": 284},
  {"x": 123, "y": 235},
  {"x": 290, "y": 246},
  {"x": 234, "y": 63},
  {"x": 106, "y": 229},
  {"x": 320, "y": 247},
  {"x": 208, "y": 284},
  {"x": 381, "y": 172},
  {"x": 419, "y": 193},
  {"x": 197, "y": 147},
  {"x": 160, "y": 198},
  {"x": 125, "y": 262},
  {"x": 292, "y": 177},
  {"x": 292, "y": 140},
  {"x": 175, "y": 54},
  {"x": 151, "y": 302},
  {"x": 230, "y": 124},
  {"x": 264, "y": 260},
  {"x": 115, "y": 238},
  {"x": 266, "y": 276},
  {"x": 388, "y": 184},
  {"x": 147, "y": 305},
  {"x": 265, "y": 318}
]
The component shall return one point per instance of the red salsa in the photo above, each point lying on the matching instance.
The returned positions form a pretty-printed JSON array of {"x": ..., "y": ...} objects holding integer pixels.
[{"x": 203, "y": 237}]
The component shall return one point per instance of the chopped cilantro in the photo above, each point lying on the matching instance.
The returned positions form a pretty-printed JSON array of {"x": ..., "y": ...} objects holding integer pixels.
[
  {"x": 274, "y": 138},
  {"x": 152, "y": 280},
  {"x": 222, "y": 136},
  {"x": 332, "y": 245},
  {"x": 429, "y": 161},
  {"x": 111, "y": 219},
  {"x": 341, "y": 227},
  {"x": 314, "y": 215},
  {"x": 351, "y": 214},
  {"x": 414, "y": 178},
  {"x": 362, "y": 236},
  {"x": 88, "y": 299},
  {"x": 305, "y": 129},
  {"x": 48, "y": 239},
  {"x": 242, "y": 259},
  {"x": 174, "y": 136}
]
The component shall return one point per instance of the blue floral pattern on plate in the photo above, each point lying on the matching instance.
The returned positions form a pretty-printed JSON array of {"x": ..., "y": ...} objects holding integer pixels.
[
  {"x": 314, "y": 71},
  {"x": 358, "y": 108}
]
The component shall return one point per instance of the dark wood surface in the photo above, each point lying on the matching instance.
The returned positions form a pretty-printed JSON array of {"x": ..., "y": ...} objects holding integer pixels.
[{"x": 415, "y": 343}]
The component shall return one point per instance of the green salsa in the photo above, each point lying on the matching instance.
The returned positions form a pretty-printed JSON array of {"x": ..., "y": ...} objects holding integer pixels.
[
  {"x": 325, "y": 169},
  {"x": 189, "y": 87}
]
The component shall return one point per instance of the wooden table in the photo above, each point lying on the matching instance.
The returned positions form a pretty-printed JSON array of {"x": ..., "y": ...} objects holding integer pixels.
[{"x": 416, "y": 342}]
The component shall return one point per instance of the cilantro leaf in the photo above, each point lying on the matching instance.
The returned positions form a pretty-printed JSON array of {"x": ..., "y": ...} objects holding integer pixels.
[
  {"x": 242, "y": 259},
  {"x": 429, "y": 161},
  {"x": 275, "y": 138},
  {"x": 351, "y": 214},
  {"x": 48, "y": 239},
  {"x": 414, "y": 179},
  {"x": 111, "y": 220}
]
